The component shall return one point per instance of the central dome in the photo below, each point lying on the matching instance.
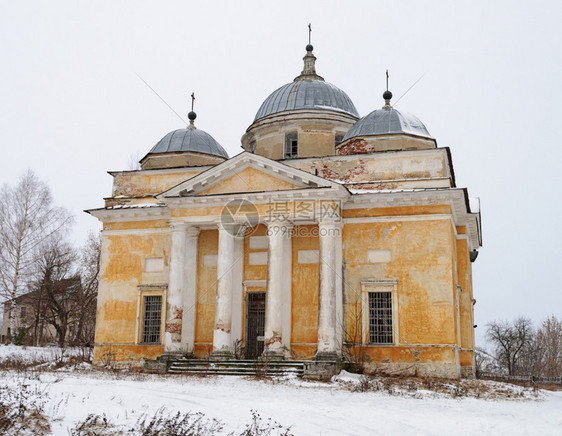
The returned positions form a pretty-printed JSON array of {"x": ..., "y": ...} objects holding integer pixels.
[{"x": 307, "y": 94}]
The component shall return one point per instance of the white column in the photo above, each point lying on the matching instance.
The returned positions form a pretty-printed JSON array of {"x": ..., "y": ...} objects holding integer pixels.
[
  {"x": 174, "y": 304},
  {"x": 190, "y": 291},
  {"x": 223, "y": 305},
  {"x": 327, "y": 311},
  {"x": 237, "y": 291},
  {"x": 339, "y": 292},
  {"x": 278, "y": 286}
]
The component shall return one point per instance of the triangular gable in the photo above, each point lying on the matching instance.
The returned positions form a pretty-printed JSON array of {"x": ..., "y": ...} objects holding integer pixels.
[{"x": 247, "y": 172}]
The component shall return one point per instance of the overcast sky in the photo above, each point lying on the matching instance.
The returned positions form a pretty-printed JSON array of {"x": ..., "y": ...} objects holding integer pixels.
[{"x": 72, "y": 106}]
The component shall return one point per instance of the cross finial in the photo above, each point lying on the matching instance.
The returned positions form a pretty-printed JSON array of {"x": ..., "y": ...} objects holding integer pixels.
[
  {"x": 387, "y": 80},
  {"x": 387, "y": 95},
  {"x": 192, "y": 115},
  {"x": 309, "y": 31}
]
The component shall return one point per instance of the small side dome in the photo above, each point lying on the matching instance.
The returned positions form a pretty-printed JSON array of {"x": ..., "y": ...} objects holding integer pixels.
[
  {"x": 194, "y": 140},
  {"x": 307, "y": 94},
  {"x": 185, "y": 147},
  {"x": 387, "y": 121}
]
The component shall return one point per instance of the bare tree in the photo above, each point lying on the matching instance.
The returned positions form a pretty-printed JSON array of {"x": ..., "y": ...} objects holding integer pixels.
[
  {"x": 87, "y": 296},
  {"x": 58, "y": 286},
  {"x": 28, "y": 217},
  {"x": 549, "y": 342},
  {"x": 510, "y": 341}
]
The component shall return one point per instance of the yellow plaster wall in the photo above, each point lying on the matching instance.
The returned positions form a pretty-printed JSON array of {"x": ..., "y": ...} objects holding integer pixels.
[
  {"x": 206, "y": 291},
  {"x": 271, "y": 146},
  {"x": 396, "y": 211},
  {"x": 304, "y": 310},
  {"x": 138, "y": 183},
  {"x": 379, "y": 166},
  {"x": 249, "y": 180},
  {"x": 121, "y": 271},
  {"x": 254, "y": 272},
  {"x": 465, "y": 281},
  {"x": 421, "y": 260},
  {"x": 316, "y": 141}
]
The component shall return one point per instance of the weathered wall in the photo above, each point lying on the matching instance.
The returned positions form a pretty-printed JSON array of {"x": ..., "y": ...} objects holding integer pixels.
[
  {"x": 249, "y": 180},
  {"x": 316, "y": 133},
  {"x": 139, "y": 183},
  {"x": 421, "y": 259},
  {"x": 181, "y": 159},
  {"x": 122, "y": 270},
  {"x": 388, "y": 170},
  {"x": 206, "y": 291},
  {"x": 304, "y": 311},
  {"x": 370, "y": 144}
]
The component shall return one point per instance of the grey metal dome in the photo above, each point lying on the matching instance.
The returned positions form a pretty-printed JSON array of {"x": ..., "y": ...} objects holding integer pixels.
[
  {"x": 307, "y": 94},
  {"x": 190, "y": 139},
  {"x": 387, "y": 121}
]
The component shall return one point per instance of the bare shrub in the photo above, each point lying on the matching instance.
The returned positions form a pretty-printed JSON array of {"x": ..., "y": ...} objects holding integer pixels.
[
  {"x": 22, "y": 410},
  {"x": 180, "y": 424},
  {"x": 259, "y": 427},
  {"x": 95, "y": 425}
]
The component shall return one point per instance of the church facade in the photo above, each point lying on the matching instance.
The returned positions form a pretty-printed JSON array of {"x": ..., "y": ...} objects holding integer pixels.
[{"x": 329, "y": 237}]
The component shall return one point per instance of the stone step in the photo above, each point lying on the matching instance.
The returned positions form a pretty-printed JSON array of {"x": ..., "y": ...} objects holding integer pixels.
[
  {"x": 235, "y": 367},
  {"x": 233, "y": 364}
]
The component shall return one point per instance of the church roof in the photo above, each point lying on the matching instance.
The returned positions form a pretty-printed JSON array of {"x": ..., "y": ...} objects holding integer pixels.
[
  {"x": 189, "y": 139},
  {"x": 387, "y": 120},
  {"x": 307, "y": 94},
  {"x": 307, "y": 91}
]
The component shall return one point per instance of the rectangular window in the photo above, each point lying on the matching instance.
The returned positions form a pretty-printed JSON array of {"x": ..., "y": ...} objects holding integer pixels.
[
  {"x": 23, "y": 311},
  {"x": 338, "y": 139},
  {"x": 380, "y": 318},
  {"x": 291, "y": 145},
  {"x": 151, "y": 319}
]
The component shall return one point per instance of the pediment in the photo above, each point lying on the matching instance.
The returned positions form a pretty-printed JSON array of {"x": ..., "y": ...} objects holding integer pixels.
[{"x": 246, "y": 173}]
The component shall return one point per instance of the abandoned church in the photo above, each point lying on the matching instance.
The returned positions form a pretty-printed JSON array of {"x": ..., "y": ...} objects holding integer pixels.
[{"x": 329, "y": 238}]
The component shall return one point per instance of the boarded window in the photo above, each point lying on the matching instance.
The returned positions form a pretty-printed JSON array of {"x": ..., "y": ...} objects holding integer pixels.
[
  {"x": 380, "y": 317},
  {"x": 291, "y": 145},
  {"x": 151, "y": 319}
]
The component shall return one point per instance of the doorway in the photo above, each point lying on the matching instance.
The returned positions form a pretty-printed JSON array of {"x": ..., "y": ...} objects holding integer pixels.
[{"x": 255, "y": 324}]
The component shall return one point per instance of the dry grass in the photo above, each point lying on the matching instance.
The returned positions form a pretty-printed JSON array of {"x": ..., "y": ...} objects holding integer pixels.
[{"x": 417, "y": 387}]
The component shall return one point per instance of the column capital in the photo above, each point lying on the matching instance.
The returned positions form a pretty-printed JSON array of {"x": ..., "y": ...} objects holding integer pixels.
[
  {"x": 178, "y": 226},
  {"x": 236, "y": 230},
  {"x": 191, "y": 230},
  {"x": 330, "y": 223},
  {"x": 277, "y": 221}
]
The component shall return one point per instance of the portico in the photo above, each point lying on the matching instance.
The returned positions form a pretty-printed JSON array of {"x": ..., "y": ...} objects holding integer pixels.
[{"x": 181, "y": 303}]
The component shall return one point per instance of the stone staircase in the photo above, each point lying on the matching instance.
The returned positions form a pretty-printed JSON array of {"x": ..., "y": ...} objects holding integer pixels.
[{"x": 236, "y": 367}]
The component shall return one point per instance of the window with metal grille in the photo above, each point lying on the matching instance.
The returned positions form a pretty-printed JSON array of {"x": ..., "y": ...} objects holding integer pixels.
[
  {"x": 338, "y": 139},
  {"x": 380, "y": 317},
  {"x": 151, "y": 319},
  {"x": 291, "y": 145}
]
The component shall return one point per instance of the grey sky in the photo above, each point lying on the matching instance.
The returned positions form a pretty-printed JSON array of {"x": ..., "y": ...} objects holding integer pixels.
[{"x": 73, "y": 107}]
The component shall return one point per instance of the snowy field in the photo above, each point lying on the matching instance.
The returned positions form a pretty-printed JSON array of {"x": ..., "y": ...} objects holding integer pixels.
[{"x": 308, "y": 408}]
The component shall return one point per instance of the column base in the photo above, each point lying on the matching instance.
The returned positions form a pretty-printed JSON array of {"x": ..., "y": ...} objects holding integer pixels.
[
  {"x": 327, "y": 356},
  {"x": 221, "y": 355},
  {"x": 273, "y": 355},
  {"x": 171, "y": 355}
]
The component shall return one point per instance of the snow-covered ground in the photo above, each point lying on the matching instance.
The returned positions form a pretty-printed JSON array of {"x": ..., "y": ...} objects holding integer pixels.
[{"x": 308, "y": 408}]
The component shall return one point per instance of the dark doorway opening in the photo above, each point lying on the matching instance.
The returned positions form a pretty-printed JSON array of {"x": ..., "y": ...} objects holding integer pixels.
[{"x": 255, "y": 324}]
